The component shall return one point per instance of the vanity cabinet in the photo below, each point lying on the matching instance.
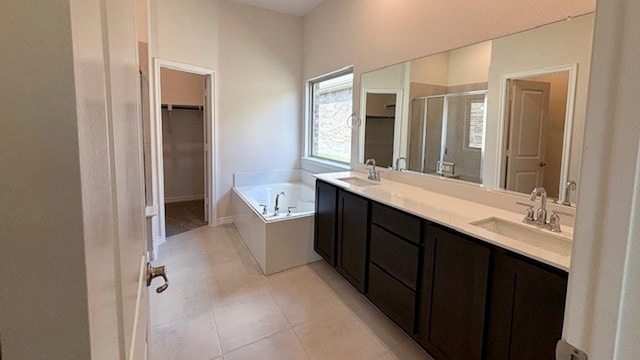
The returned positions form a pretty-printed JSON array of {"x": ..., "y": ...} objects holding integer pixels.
[
  {"x": 526, "y": 309},
  {"x": 455, "y": 278},
  {"x": 326, "y": 221},
  {"x": 393, "y": 264},
  {"x": 457, "y": 296},
  {"x": 352, "y": 238}
]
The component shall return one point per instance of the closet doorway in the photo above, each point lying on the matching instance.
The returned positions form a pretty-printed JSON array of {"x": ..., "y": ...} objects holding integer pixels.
[{"x": 185, "y": 143}]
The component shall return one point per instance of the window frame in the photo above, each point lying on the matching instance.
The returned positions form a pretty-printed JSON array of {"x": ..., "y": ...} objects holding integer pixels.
[{"x": 308, "y": 155}]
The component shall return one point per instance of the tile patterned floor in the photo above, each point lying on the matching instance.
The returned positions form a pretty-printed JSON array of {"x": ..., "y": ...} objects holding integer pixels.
[{"x": 220, "y": 306}]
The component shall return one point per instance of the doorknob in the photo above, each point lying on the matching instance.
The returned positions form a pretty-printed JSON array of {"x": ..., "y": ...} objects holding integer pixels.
[
  {"x": 543, "y": 164},
  {"x": 154, "y": 272}
]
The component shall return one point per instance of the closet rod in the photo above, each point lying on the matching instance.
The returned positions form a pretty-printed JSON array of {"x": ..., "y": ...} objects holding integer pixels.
[{"x": 183, "y": 107}]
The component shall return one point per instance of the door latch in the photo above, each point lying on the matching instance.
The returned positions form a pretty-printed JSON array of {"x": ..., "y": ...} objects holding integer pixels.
[
  {"x": 154, "y": 272},
  {"x": 566, "y": 351}
]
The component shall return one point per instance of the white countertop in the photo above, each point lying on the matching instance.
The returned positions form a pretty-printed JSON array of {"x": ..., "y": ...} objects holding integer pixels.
[{"x": 454, "y": 213}]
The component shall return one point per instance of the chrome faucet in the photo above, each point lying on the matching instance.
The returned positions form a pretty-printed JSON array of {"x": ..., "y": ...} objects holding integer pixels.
[
  {"x": 568, "y": 187},
  {"x": 373, "y": 174},
  {"x": 397, "y": 168},
  {"x": 541, "y": 218},
  {"x": 276, "y": 209}
]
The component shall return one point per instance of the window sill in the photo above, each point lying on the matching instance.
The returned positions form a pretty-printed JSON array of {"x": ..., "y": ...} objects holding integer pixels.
[{"x": 317, "y": 165}]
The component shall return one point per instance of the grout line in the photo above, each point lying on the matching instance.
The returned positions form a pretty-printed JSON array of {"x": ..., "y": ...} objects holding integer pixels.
[
  {"x": 291, "y": 326},
  {"x": 215, "y": 328},
  {"x": 263, "y": 337},
  {"x": 384, "y": 344},
  {"x": 295, "y": 333}
]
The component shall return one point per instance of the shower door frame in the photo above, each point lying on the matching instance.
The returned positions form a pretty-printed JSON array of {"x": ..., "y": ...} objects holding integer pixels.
[{"x": 444, "y": 121}]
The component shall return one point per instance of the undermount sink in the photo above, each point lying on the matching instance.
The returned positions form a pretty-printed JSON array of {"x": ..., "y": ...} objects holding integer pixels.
[
  {"x": 356, "y": 181},
  {"x": 532, "y": 236}
]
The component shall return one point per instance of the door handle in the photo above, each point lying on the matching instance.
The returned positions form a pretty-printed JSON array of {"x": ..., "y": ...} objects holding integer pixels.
[
  {"x": 154, "y": 272},
  {"x": 543, "y": 164}
]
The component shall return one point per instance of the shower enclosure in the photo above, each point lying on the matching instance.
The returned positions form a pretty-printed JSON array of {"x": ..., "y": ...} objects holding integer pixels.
[{"x": 448, "y": 129}]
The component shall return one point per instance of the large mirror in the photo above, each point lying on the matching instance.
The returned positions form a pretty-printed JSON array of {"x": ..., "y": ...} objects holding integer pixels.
[{"x": 506, "y": 113}]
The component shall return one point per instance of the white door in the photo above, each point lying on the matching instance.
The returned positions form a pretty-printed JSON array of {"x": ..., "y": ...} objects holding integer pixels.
[
  {"x": 126, "y": 156},
  {"x": 526, "y": 146}
]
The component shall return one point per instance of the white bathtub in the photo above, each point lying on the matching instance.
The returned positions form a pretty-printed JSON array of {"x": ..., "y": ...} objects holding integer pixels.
[{"x": 277, "y": 242}]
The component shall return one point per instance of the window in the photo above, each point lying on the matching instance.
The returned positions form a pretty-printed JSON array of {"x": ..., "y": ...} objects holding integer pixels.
[
  {"x": 475, "y": 128},
  {"x": 330, "y": 107}
]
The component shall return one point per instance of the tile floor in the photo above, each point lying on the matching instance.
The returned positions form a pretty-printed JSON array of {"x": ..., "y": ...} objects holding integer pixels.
[{"x": 220, "y": 306}]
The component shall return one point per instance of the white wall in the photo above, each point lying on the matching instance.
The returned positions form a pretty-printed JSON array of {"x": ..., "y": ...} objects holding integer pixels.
[
  {"x": 260, "y": 93},
  {"x": 563, "y": 43},
  {"x": 469, "y": 65},
  {"x": 603, "y": 310},
  {"x": 257, "y": 56},
  {"x": 183, "y": 155},
  {"x": 339, "y": 33},
  {"x": 185, "y": 31},
  {"x": 391, "y": 77},
  {"x": 43, "y": 279},
  {"x": 432, "y": 70}
]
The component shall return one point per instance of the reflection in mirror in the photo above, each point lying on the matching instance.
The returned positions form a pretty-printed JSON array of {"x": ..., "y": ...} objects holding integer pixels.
[
  {"x": 380, "y": 139},
  {"x": 380, "y": 119},
  {"x": 506, "y": 113},
  {"x": 447, "y": 133},
  {"x": 536, "y": 109}
]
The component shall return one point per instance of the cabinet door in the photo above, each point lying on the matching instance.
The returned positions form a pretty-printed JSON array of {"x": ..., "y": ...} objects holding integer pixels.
[
  {"x": 453, "y": 297},
  {"x": 353, "y": 228},
  {"x": 526, "y": 309},
  {"x": 325, "y": 222}
]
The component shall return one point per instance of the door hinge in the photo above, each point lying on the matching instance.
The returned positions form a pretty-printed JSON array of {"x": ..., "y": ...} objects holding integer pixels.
[{"x": 566, "y": 351}]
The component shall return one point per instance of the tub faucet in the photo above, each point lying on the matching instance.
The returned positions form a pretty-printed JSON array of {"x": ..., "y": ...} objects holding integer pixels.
[
  {"x": 276, "y": 209},
  {"x": 570, "y": 186},
  {"x": 397, "y": 168},
  {"x": 541, "y": 219},
  {"x": 373, "y": 174}
]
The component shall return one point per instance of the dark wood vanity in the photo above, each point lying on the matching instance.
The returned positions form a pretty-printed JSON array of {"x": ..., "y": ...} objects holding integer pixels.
[{"x": 457, "y": 296}]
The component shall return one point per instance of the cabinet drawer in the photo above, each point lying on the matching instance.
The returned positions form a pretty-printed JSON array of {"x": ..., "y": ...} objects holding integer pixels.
[
  {"x": 396, "y": 221},
  {"x": 396, "y": 256},
  {"x": 392, "y": 297}
]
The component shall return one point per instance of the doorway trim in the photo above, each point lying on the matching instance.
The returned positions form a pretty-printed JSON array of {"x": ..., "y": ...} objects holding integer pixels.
[
  {"x": 211, "y": 125},
  {"x": 572, "y": 84}
]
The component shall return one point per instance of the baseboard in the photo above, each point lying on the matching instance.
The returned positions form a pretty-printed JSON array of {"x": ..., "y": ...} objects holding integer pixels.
[
  {"x": 225, "y": 220},
  {"x": 174, "y": 199}
]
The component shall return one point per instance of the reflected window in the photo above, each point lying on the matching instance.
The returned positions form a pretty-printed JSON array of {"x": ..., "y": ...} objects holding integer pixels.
[
  {"x": 330, "y": 106},
  {"x": 475, "y": 127}
]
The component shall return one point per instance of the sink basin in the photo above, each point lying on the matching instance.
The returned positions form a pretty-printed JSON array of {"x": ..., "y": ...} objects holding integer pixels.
[
  {"x": 356, "y": 181},
  {"x": 537, "y": 237}
]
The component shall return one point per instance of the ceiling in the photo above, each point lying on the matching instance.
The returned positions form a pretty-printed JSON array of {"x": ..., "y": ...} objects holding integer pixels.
[{"x": 291, "y": 7}]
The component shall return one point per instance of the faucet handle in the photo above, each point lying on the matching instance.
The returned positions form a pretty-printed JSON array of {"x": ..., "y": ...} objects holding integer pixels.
[
  {"x": 530, "y": 214},
  {"x": 264, "y": 209},
  {"x": 289, "y": 210},
  {"x": 554, "y": 222}
]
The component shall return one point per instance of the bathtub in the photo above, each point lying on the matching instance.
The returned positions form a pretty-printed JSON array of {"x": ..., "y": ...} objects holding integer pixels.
[{"x": 277, "y": 242}]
